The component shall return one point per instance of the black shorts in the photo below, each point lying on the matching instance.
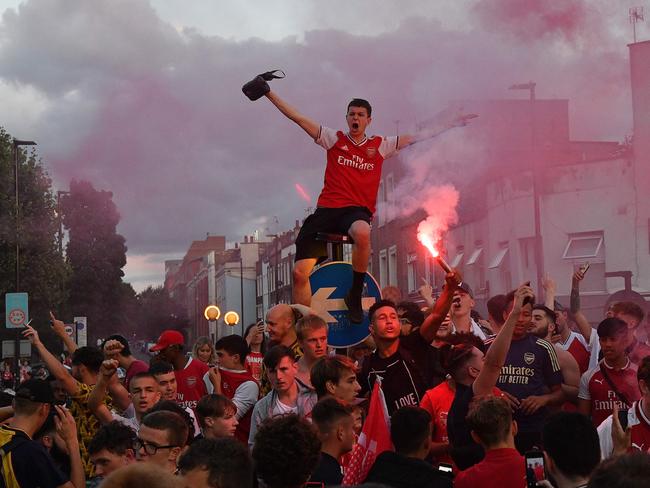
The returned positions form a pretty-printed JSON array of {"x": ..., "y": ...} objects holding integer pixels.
[{"x": 330, "y": 220}]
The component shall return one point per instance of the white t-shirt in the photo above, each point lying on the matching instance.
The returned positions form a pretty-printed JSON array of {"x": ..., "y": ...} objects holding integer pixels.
[{"x": 281, "y": 409}]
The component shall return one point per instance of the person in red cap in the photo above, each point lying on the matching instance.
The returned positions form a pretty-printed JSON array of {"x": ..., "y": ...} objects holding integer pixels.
[{"x": 191, "y": 375}]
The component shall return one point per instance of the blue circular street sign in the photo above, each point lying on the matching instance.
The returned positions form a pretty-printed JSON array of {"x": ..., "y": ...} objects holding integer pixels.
[{"x": 329, "y": 285}]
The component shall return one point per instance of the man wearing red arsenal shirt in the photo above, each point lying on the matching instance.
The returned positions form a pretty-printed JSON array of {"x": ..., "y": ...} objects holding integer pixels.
[
  {"x": 191, "y": 375},
  {"x": 234, "y": 382},
  {"x": 638, "y": 421},
  {"x": 347, "y": 201}
]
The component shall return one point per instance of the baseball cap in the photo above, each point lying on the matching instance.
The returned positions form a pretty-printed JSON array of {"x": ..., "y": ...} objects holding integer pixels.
[
  {"x": 35, "y": 390},
  {"x": 463, "y": 286},
  {"x": 166, "y": 339}
]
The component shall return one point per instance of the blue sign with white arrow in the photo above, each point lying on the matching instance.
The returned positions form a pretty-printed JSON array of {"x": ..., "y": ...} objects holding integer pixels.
[{"x": 329, "y": 284}]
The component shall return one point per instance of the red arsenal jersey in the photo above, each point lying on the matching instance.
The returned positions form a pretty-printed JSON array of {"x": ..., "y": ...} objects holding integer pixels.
[
  {"x": 353, "y": 169},
  {"x": 231, "y": 381},
  {"x": 575, "y": 345},
  {"x": 639, "y": 425},
  {"x": 594, "y": 387},
  {"x": 254, "y": 364},
  {"x": 191, "y": 386}
]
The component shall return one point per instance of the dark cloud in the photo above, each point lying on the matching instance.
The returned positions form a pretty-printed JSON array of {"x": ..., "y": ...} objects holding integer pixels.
[{"x": 158, "y": 116}]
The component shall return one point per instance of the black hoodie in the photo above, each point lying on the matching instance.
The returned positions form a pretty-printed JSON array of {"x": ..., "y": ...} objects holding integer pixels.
[{"x": 399, "y": 471}]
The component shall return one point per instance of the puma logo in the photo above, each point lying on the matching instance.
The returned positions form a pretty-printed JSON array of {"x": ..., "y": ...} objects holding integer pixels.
[{"x": 600, "y": 382}]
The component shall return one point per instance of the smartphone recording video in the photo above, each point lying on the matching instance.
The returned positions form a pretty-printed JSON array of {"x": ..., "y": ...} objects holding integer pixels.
[{"x": 534, "y": 468}]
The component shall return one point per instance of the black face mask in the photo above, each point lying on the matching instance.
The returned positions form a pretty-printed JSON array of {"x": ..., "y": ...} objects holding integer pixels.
[{"x": 258, "y": 86}]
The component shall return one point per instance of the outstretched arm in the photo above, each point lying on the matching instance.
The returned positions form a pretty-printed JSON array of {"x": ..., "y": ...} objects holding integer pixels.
[
  {"x": 459, "y": 120},
  {"x": 53, "y": 364},
  {"x": 432, "y": 323},
  {"x": 496, "y": 355},
  {"x": 59, "y": 329},
  {"x": 583, "y": 324},
  {"x": 308, "y": 125}
]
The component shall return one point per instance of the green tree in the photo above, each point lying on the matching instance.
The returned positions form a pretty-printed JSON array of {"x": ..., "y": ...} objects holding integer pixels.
[
  {"x": 43, "y": 271},
  {"x": 96, "y": 254},
  {"x": 157, "y": 312}
]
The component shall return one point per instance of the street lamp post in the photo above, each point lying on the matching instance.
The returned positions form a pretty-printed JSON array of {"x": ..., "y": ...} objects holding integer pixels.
[
  {"x": 539, "y": 247},
  {"x": 16, "y": 144}
]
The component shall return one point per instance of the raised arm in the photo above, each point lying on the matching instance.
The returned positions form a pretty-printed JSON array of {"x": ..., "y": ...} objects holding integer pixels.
[
  {"x": 458, "y": 120},
  {"x": 433, "y": 321},
  {"x": 496, "y": 355},
  {"x": 550, "y": 291},
  {"x": 583, "y": 324},
  {"x": 67, "y": 430},
  {"x": 53, "y": 364},
  {"x": 308, "y": 125},
  {"x": 59, "y": 329},
  {"x": 100, "y": 390}
]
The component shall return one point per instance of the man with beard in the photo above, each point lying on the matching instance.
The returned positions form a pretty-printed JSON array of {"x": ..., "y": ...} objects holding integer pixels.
[
  {"x": 543, "y": 325},
  {"x": 531, "y": 377},
  {"x": 86, "y": 362}
]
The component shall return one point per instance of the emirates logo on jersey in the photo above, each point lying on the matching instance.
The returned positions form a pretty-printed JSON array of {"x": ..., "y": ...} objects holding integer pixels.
[
  {"x": 191, "y": 381},
  {"x": 529, "y": 357},
  {"x": 371, "y": 151}
]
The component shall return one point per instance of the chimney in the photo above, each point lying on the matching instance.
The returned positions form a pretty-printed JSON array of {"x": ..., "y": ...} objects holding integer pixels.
[{"x": 245, "y": 239}]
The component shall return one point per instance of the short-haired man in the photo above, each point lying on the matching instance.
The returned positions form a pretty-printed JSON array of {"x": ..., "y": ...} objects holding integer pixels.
[
  {"x": 462, "y": 305},
  {"x": 234, "y": 381},
  {"x": 628, "y": 471},
  {"x": 347, "y": 201},
  {"x": 217, "y": 416},
  {"x": 638, "y": 420},
  {"x": 26, "y": 462},
  {"x": 286, "y": 452},
  {"x": 143, "y": 390},
  {"x": 86, "y": 362},
  {"x": 614, "y": 380},
  {"x": 410, "y": 432},
  {"x": 281, "y": 326},
  {"x": 117, "y": 347},
  {"x": 161, "y": 439},
  {"x": 531, "y": 378},
  {"x": 192, "y": 376},
  {"x": 287, "y": 396},
  {"x": 335, "y": 425},
  {"x": 633, "y": 315},
  {"x": 311, "y": 331},
  {"x": 408, "y": 365},
  {"x": 491, "y": 425},
  {"x": 111, "y": 448},
  {"x": 571, "y": 450},
  {"x": 336, "y": 376},
  {"x": 543, "y": 325},
  {"x": 216, "y": 463}
]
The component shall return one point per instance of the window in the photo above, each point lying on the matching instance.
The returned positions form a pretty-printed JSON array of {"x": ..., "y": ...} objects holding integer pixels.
[
  {"x": 390, "y": 199},
  {"x": 392, "y": 266},
  {"x": 498, "y": 258},
  {"x": 383, "y": 268},
  {"x": 381, "y": 204},
  {"x": 582, "y": 246},
  {"x": 475, "y": 256},
  {"x": 457, "y": 259},
  {"x": 588, "y": 247},
  {"x": 347, "y": 253},
  {"x": 412, "y": 270}
]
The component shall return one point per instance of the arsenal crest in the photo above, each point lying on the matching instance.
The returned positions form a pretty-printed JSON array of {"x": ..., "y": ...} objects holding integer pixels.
[
  {"x": 529, "y": 358},
  {"x": 372, "y": 152},
  {"x": 191, "y": 381}
]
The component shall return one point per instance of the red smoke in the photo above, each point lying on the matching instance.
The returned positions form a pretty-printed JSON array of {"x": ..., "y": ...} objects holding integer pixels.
[{"x": 303, "y": 193}]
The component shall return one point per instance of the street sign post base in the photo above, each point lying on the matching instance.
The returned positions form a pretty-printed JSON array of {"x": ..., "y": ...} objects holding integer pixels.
[{"x": 330, "y": 283}]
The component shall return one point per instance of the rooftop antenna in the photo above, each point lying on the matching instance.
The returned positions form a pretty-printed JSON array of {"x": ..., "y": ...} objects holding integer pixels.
[{"x": 636, "y": 15}]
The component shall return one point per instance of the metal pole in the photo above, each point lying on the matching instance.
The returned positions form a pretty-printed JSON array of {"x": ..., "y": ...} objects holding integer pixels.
[
  {"x": 539, "y": 246},
  {"x": 241, "y": 290},
  {"x": 17, "y": 217}
]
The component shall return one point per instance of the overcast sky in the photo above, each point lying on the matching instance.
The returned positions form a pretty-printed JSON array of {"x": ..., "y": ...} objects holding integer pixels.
[{"x": 144, "y": 97}]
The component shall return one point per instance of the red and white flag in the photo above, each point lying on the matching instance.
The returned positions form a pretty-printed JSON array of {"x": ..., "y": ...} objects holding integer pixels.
[{"x": 374, "y": 439}]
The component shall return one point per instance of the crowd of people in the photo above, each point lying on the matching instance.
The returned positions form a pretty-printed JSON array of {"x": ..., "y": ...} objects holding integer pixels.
[{"x": 532, "y": 395}]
